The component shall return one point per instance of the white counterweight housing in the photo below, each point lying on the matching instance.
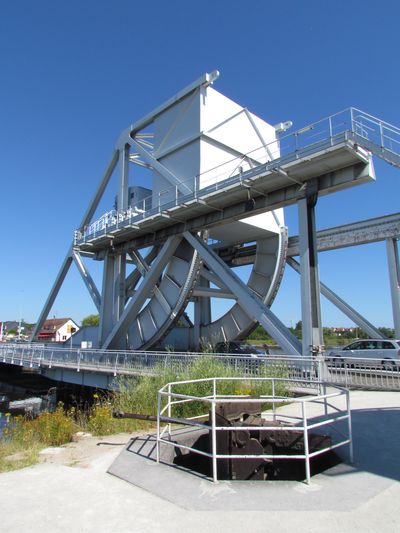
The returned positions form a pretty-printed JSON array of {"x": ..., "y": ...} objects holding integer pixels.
[{"x": 205, "y": 138}]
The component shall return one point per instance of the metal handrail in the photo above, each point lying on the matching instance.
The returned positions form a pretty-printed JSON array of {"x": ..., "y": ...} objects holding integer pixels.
[
  {"x": 351, "y": 372},
  {"x": 303, "y": 423}
]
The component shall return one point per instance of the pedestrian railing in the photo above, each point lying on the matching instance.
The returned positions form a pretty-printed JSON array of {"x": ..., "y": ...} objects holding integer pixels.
[
  {"x": 348, "y": 372},
  {"x": 355, "y": 372}
]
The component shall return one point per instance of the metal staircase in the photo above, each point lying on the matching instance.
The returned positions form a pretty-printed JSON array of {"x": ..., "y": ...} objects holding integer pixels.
[{"x": 376, "y": 136}]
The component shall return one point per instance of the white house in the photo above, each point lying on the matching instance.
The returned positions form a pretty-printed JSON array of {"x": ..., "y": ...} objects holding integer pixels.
[{"x": 58, "y": 330}]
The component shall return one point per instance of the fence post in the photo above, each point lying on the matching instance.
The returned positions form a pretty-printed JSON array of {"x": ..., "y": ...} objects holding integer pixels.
[
  {"x": 305, "y": 437},
  {"x": 351, "y": 451},
  {"x": 158, "y": 426},
  {"x": 169, "y": 409},
  {"x": 214, "y": 442},
  {"x": 352, "y": 120},
  {"x": 381, "y": 134},
  {"x": 273, "y": 400}
]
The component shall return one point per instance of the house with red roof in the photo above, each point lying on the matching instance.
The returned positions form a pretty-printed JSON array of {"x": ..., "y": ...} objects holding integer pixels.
[{"x": 57, "y": 330}]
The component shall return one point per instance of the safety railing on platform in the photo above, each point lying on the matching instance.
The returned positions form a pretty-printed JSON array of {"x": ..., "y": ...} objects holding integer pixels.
[
  {"x": 375, "y": 135},
  {"x": 323, "y": 407}
]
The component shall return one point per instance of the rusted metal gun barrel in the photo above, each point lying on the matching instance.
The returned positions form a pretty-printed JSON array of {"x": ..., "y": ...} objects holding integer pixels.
[
  {"x": 152, "y": 418},
  {"x": 136, "y": 416}
]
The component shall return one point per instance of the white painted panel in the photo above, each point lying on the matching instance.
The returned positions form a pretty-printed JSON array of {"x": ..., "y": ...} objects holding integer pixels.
[
  {"x": 170, "y": 291},
  {"x": 157, "y": 312},
  {"x": 179, "y": 122},
  {"x": 148, "y": 328},
  {"x": 178, "y": 270},
  {"x": 208, "y": 135}
]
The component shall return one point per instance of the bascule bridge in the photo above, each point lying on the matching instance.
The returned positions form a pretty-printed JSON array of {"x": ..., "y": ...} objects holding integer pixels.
[{"x": 218, "y": 180}]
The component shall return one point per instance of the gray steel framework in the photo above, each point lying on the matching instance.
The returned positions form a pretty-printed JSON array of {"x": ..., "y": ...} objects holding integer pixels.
[{"x": 138, "y": 310}]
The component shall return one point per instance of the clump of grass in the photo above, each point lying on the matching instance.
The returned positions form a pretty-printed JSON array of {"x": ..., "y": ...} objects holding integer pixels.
[
  {"x": 100, "y": 420},
  {"x": 49, "y": 429},
  {"x": 23, "y": 438},
  {"x": 139, "y": 395},
  {"x": 15, "y": 455}
]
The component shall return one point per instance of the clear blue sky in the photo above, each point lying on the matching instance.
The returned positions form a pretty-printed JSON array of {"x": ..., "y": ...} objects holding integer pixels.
[{"x": 74, "y": 74}]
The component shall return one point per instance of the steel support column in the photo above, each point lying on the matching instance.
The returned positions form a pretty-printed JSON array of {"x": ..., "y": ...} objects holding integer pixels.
[
  {"x": 394, "y": 277},
  {"x": 107, "y": 310},
  {"x": 202, "y": 311},
  {"x": 122, "y": 202},
  {"x": 312, "y": 340}
]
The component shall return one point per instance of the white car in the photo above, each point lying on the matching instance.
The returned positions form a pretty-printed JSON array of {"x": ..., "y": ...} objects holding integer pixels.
[{"x": 385, "y": 352}]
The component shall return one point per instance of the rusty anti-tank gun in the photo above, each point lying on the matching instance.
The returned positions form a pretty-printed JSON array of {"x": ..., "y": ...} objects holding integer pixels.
[{"x": 267, "y": 444}]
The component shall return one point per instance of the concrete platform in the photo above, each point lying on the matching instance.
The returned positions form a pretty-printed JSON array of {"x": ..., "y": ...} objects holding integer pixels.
[
  {"x": 376, "y": 467},
  {"x": 364, "y": 497}
]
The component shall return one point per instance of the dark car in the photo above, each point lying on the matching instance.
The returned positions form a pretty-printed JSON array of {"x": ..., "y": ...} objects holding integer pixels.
[{"x": 239, "y": 348}]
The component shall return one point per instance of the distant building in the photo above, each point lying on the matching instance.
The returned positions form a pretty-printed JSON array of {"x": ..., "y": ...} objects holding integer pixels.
[
  {"x": 57, "y": 330},
  {"x": 11, "y": 329}
]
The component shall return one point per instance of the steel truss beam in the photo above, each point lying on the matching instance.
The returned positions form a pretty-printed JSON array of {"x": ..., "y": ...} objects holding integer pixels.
[
  {"x": 88, "y": 280},
  {"x": 354, "y": 234},
  {"x": 53, "y": 294},
  {"x": 160, "y": 168},
  {"x": 143, "y": 268},
  {"x": 342, "y": 305},
  {"x": 87, "y": 217},
  {"x": 133, "y": 279},
  {"x": 251, "y": 305}
]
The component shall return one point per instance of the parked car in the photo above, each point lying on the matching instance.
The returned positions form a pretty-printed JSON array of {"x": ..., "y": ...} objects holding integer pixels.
[
  {"x": 385, "y": 351},
  {"x": 239, "y": 348}
]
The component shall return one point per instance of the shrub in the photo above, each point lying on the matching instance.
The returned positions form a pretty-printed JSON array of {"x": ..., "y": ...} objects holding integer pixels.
[{"x": 50, "y": 429}]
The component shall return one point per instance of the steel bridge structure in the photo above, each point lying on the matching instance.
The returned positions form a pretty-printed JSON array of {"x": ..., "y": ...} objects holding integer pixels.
[{"x": 219, "y": 178}]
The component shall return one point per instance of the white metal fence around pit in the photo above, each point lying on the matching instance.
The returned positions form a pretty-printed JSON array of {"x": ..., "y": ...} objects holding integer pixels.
[{"x": 322, "y": 407}]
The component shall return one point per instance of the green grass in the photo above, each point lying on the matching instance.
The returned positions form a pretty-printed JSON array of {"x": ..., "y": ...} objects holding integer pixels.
[{"x": 139, "y": 395}]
